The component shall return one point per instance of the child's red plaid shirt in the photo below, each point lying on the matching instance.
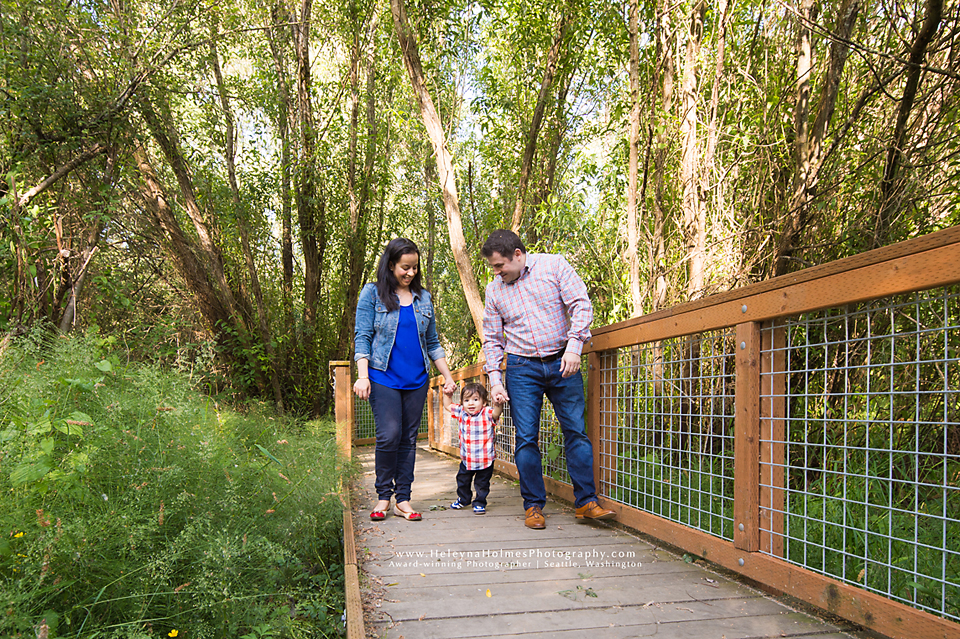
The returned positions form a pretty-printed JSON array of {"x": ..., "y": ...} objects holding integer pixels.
[{"x": 476, "y": 436}]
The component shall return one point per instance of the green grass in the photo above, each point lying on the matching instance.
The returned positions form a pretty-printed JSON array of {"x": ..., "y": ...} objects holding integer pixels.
[{"x": 133, "y": 506}]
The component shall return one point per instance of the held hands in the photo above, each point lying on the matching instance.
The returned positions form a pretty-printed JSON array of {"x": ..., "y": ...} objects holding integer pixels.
[
  {"x": 449, "y": 386},
  {"x": 499, "y": 395},
  {"x": 569, "y": 364}
]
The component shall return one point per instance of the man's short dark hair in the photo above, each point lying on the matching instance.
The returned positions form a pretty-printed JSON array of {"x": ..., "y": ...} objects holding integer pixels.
[{"x": 503, "y": 242}]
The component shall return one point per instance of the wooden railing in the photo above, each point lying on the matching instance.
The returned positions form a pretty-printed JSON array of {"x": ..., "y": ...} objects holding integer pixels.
[{"x": 734, "y": 428}]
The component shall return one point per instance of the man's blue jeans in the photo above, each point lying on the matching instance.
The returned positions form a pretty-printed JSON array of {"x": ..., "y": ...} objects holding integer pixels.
[{"x": 527, "y": 380}]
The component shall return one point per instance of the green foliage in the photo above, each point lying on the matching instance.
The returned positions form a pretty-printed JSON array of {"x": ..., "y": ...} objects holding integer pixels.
[{"x": 132, "y": 506}]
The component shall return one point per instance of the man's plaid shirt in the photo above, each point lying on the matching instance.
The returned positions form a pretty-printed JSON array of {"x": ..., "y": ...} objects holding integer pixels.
[
  {"x": 476, "y": 436},
  {"x": 544, "y": 311}
]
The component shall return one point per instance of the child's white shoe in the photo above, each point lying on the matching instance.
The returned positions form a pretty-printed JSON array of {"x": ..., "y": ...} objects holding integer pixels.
[
  {"x": 457, "y": 505},
  {"x": 478, "y": 509}
]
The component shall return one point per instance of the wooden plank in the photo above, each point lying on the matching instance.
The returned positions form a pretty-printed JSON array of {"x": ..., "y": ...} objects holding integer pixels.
[
  {"x": 875, "y": 611},
  {"x": 349, "y": 543},
  {"x": 354, "y": 606},
  {"x": 746, "y": 435},
  {"x": 937, "y": 267},
  {"x": 773, "y": 445},
  {"x": 944, "y": 238}
]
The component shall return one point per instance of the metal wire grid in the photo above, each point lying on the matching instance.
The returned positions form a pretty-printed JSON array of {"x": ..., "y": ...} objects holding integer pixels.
[
  {"x": 862, "y": 479},
  {"x": 364, "y": 427},
  {"x": 666, "y": 429}
]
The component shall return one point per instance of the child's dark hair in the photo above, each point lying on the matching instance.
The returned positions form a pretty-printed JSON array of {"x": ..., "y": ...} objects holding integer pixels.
[{"x": 474, "y": 388}]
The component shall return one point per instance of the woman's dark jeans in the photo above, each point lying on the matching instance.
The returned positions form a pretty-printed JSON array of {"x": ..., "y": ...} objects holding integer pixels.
[{"x": 397, "y": 415}]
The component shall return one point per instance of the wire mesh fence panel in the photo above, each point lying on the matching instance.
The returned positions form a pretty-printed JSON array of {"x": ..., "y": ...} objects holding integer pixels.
[
  {"x": 363, "y": 419},
  {"x": 860, "y": 471},
  {"x": 364, "y": 424},
  {"x": 666, "y": 429}
]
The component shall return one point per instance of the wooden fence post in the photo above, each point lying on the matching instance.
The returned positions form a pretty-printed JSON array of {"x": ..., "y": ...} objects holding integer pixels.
[
  {"x": 343, "y": 413},
  {"x": 746, "y": 446},
  {"x": 343, "y": 404}
]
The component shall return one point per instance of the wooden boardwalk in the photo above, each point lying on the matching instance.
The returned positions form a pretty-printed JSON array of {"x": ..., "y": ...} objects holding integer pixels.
[{"x": 456, "y": 574}]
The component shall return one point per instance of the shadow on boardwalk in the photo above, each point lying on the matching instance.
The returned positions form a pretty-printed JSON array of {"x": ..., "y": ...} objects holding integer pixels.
[{"x": 456, "y": 574}]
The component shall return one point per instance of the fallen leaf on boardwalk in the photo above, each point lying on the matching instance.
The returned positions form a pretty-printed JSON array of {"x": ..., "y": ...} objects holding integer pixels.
[
  {"x": 648, "y": 604},
  {"x": 589, "y": 592},
  {"x": 396, "y": 583},
  {"x": 569, "y": 594},
  {"x": 489, "y": 594},
  {"x": 422, "y": 574},
  {"x": 422, "y": 617}
]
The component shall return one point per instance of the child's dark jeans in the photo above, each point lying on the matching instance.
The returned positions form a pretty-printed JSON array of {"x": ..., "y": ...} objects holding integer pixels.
[{"x": 479, "y": 478}]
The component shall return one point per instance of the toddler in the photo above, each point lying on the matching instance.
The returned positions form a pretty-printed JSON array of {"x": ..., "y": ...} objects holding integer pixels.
[{"x": 476, "y": 424}]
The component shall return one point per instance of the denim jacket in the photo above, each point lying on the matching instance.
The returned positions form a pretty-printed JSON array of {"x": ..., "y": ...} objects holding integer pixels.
[{"x": 376, "y": 329}]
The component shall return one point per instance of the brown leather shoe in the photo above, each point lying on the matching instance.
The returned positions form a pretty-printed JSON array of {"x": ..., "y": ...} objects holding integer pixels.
[
  {"x": 535, "y": 518},
  {"x": 591, "y": 510}
]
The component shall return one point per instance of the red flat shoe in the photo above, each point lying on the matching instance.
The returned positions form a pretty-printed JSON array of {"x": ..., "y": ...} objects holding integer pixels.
[
  {"x": 408, "y": 515},
  {"x": 378, "y": 515}
]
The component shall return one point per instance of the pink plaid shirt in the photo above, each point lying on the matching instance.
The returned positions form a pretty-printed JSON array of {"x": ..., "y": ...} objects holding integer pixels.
[
  {"x": 476, "y": 436},
  {"x": 544, "y": 311}
]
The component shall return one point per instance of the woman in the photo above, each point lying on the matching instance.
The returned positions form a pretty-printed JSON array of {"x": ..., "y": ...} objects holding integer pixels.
[{"x": 395, "y": 340}]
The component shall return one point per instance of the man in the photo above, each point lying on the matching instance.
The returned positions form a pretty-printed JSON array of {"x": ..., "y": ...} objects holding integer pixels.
[{"x": 538, "y": 315}]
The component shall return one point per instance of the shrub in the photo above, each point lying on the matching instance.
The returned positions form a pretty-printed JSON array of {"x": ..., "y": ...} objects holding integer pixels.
[{"x": 133, "y": 506}]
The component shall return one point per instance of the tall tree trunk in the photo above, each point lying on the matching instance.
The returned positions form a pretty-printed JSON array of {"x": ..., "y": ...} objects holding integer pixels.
[
  {"x": 810, "y": 140},
  {"x": 694, "y": 222},
  {"x": 631, "y": 256},
  {"x": 663, "y": 81},
  {"x": 709, "y": 155},
  {"x": 90, "y": 246},
  {"x": 310, "y": 207},
  {"x": 184, "y": 254},
  {"x": 530, "y": 149},
  {"x": 429, "y": 182},
  {"x": 891, "y": 185},
  {"x": 556, "y": 141},
  {"x": 283, "y": 119},
  {"x": 240, "y": 214},
  {"x": 359, "y": 202},
  {"x": 165, "y": 135},
  {"x": 794, "y": 219},
  {"x": 451, "y": 201}
]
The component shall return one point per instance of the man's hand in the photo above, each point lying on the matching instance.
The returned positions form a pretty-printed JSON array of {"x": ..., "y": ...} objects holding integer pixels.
[
  {"x": 499, "y": 394},
  {"x": 569, "y": 364}
]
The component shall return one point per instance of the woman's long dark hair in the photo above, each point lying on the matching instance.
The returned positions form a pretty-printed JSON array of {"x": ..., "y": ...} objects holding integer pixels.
[{"x": 386, "y": 281}]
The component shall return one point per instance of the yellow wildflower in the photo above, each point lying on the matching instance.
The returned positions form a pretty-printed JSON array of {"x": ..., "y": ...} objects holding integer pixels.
[
  {"x": 173, "y": 633},
  {"x": 19, "y": 534}
]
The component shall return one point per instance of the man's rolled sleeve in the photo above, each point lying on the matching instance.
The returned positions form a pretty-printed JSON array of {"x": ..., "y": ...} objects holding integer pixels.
[
  {"x": 493, "y": 340},
  {"x": 573, "y": 292}
]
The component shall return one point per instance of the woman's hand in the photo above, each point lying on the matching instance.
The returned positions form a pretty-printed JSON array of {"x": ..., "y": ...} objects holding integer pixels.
[{"x": 362, "y": 388}]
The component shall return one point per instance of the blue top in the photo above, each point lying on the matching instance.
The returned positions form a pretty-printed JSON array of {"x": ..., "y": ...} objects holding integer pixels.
[
  {"x": 406, "y": 368},
  {"x": 376, "y": 329}
]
